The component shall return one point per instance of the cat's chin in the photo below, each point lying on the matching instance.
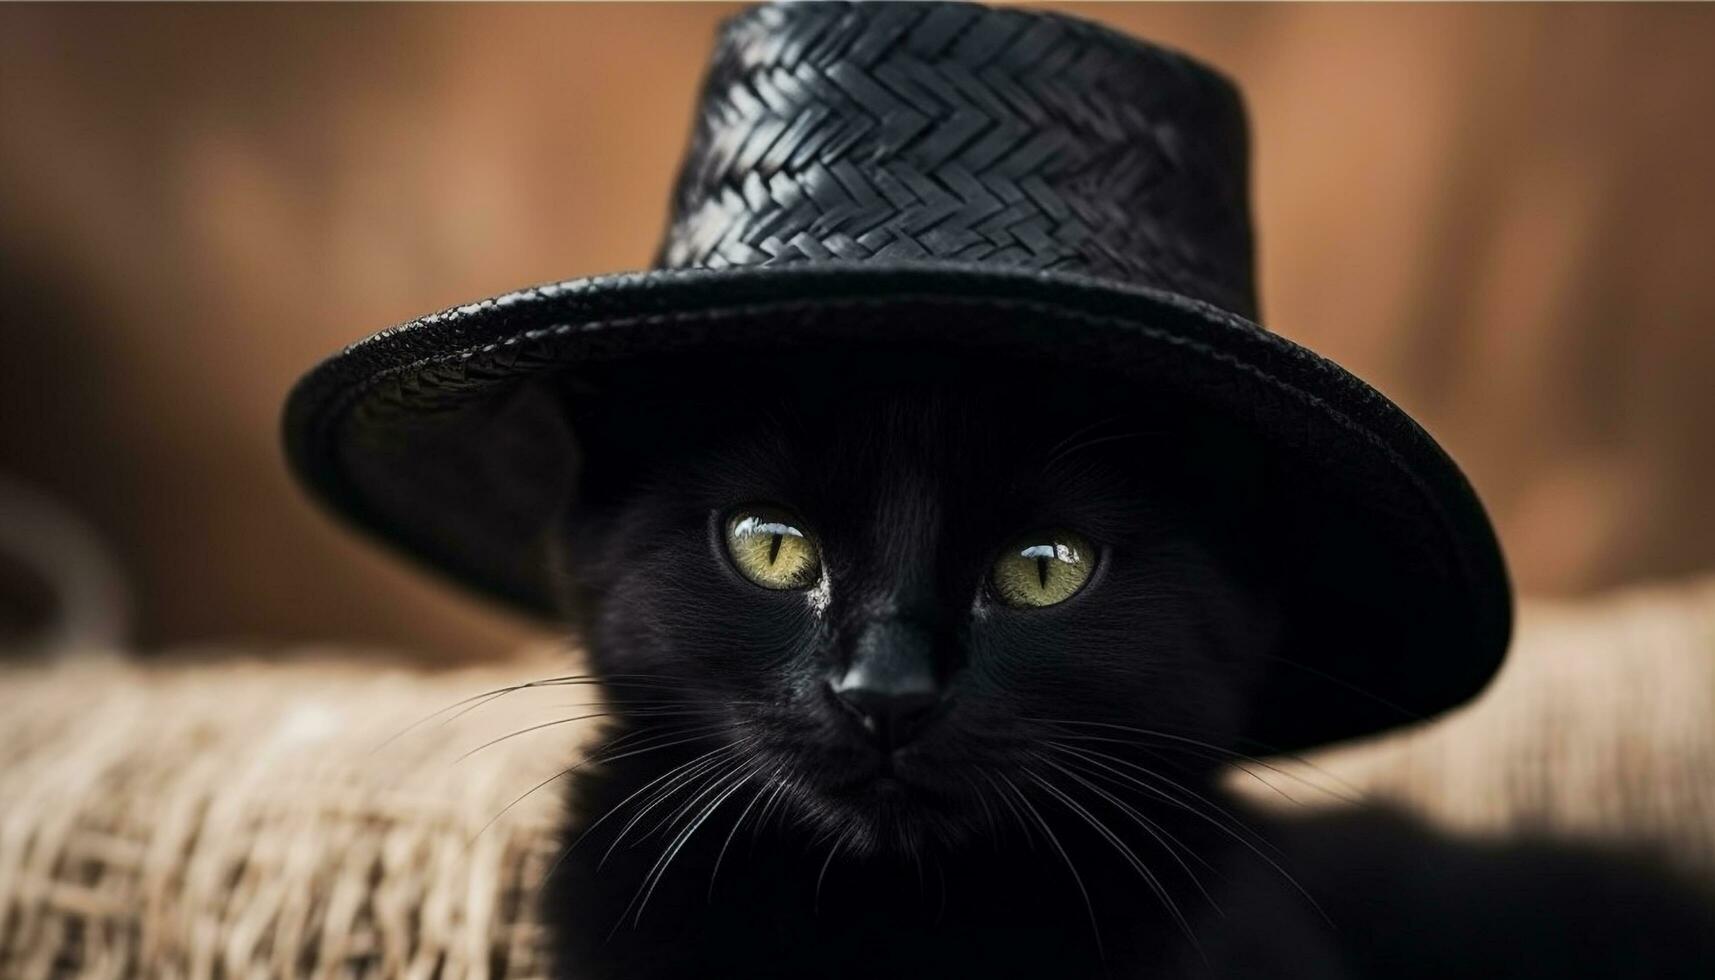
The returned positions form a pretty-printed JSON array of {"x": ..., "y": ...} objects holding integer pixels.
[
  {"x": 884, "y": 785},
  {"x": 890, "y": 810},
  {"x": 881, "y": 793}
]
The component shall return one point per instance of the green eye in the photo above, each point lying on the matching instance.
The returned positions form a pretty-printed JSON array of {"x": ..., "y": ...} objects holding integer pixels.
[
  {"x": 1042, "y": 569},
  {"x": 769, "y": 549}
]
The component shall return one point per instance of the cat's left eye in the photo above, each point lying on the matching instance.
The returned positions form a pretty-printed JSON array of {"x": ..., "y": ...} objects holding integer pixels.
[
  {"x": 768, "y": 547},
  {"x": 1043, "y": 568}
]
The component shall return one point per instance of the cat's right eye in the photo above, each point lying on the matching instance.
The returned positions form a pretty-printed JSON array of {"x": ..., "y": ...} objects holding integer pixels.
[
  {"x": 768, "y": 547},
  {"x": 1043, "y": 569}
]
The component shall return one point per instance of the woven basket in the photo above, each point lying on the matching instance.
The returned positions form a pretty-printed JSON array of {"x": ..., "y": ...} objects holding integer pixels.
[{"x": 213, "y": 816}]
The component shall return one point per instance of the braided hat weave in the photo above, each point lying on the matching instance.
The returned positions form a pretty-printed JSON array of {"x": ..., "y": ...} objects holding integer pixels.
[
  {"x": 909, "y": 132},
  {"x": 1002, "y": 182}
]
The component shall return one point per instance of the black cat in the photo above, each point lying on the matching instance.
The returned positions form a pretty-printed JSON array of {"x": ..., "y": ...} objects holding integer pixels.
[{"x": 929, "y": 671}]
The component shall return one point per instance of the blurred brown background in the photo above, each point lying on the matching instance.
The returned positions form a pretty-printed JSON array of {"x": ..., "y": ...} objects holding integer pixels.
[{"x": 1503, "y": 217}]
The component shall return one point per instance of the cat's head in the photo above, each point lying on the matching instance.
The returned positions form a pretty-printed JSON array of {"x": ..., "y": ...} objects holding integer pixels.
[{"x": 907, "y": 591}]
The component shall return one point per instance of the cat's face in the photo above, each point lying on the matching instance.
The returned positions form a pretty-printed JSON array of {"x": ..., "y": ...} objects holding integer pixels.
[{"x": 904, "y": 603}]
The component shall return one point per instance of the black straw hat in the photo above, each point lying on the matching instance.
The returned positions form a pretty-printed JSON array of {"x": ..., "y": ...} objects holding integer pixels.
[{"x": 958, "y": 179}]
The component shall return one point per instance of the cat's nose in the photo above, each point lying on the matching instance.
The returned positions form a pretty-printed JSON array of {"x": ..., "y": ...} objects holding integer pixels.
[
  {"x": 890, "y": 686},
  {"x": 891, "y": 717}
]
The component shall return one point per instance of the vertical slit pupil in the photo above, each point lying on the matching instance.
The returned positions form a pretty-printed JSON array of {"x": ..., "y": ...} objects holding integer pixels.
[
  {"x": 1042, "y": 572},
  {"x": 774, "y": 548}
]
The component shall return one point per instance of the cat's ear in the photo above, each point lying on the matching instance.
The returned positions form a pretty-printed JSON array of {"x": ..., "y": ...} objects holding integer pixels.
[
  {"x": 1231, "y": 483},
  {"x": 600, "y": 426},
  {"x": 631, "y": 425},
  {"x": 1231, "y": 465},
  {"x": 1237, "y": 495}
]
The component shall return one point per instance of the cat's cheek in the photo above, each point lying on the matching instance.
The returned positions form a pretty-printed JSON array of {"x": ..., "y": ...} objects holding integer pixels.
[{"x": 819, "y": 597}]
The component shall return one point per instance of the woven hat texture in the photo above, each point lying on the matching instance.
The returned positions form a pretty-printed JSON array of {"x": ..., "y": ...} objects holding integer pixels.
[{"x": 947, "y": 131}]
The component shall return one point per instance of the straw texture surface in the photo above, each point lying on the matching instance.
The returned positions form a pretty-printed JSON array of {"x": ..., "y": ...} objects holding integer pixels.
[
  {"x": 221, "y": 818},
  {"x": 213, "y": 816}
]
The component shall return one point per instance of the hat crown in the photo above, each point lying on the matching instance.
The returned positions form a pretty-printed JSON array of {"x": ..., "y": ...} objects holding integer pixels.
[{"x": 851, "y": 132}]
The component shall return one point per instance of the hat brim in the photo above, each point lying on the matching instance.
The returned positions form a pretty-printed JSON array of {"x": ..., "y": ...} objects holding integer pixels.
[{"x": 1400, "y": 608}]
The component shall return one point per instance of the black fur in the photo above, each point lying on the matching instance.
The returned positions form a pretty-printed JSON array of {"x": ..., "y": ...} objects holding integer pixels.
[{"x": 1062, "y": 817}]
